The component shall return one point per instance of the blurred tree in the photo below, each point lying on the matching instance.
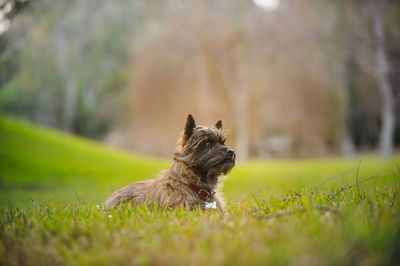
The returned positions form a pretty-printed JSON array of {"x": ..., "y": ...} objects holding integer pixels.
[
  {"x": 67, "y": 60},
  {"x": 377, "y": 12},
  {"x": 232, "y": 60},
  {"x": 8, "y": 56},
  {"x": 363, "y": 33}
]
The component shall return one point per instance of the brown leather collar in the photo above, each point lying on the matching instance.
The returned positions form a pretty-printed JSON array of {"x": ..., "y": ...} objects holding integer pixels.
[{"x": 201, "y": 192}]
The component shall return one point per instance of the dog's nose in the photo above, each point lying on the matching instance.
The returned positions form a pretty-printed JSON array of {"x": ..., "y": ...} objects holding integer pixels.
[{"x": 230, "y": 151}]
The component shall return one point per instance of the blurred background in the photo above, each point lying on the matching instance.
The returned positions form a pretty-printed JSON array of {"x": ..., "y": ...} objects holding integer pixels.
[{"x": 288, "y": 78}]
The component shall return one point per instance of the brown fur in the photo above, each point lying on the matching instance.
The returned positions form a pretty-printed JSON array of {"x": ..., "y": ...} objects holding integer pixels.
[{"x": 200, "y": 158}]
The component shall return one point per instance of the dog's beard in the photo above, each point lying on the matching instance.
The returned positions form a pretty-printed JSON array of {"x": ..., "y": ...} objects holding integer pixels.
[
  {"x": 223, "y": 167},
  {"x": 214, "y": 165}
]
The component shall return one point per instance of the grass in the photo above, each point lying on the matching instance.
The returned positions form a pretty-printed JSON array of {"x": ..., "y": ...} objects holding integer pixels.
[{"x": 277, "y": 212}]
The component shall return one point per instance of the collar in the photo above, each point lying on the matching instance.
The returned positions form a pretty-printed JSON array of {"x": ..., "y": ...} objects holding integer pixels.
[{"x": 201, "y": 192}]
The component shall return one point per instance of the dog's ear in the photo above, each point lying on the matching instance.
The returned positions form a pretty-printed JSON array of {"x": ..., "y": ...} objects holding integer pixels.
[
  {"x": 218, "y": 125},
  {"x": 190, "y": 125}
]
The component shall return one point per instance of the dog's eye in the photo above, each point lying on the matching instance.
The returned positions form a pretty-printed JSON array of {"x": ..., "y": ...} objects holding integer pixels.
[{"x": 209, "y": 143}]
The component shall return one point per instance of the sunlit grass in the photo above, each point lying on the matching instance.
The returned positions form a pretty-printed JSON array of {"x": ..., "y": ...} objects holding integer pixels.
[
  {"x": 357, "y": 226},
  {"x": 278, "y": 214},
  {"x": 47, "y": 164}
]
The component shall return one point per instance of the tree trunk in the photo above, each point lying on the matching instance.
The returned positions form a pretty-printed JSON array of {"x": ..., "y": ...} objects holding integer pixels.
[
  {"x": 347, "y": 144},
  {"x": 70, "y": 86},
  {"x": 70, "y": 104},
  {"x": 382, "y": 77},
  {"x": 239, "y": 96},
  {"x": 241, "y": 107}
]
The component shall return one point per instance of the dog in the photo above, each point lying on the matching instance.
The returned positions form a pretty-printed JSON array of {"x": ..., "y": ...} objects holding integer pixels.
[{"x": 194, "y": 178}]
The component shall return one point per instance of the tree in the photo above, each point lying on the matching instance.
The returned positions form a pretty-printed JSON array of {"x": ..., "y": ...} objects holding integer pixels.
[{"x": 376, "y": 9}]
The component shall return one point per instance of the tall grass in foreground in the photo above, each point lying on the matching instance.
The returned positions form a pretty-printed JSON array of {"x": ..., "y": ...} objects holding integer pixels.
[{"x": 340, "y": 226}]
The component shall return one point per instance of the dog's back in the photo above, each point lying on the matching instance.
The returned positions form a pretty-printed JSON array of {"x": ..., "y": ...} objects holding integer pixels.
[
  {"x": 131, "y": 193},
  {"x": 164, "y": 191}
]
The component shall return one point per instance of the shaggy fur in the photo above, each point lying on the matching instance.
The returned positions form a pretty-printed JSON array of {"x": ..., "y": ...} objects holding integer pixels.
[{"x": 200, "y": 158}]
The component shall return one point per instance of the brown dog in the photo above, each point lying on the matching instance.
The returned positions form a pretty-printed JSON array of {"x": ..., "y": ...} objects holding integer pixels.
[{"x": 200, "y": 158}]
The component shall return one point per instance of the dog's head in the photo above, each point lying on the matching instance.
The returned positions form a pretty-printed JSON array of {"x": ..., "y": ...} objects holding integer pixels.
[{"x": 203, "y": 150}]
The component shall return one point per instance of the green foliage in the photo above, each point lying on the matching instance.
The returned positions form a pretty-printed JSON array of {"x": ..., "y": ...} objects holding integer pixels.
[
  {"x": 64, "y": 47},
  {"x": 278, "y": 214}
]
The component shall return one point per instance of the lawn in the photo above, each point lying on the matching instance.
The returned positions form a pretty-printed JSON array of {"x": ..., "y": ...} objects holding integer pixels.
[{"x": 279, "y": 212}]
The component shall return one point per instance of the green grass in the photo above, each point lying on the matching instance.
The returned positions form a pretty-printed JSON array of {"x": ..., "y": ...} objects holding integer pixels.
[
  {"x": 276, "y": 213},
  {"x": 46, "y": 164}
]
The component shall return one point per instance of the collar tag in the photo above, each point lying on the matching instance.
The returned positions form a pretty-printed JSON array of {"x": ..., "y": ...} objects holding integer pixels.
[{"x": 211, "y": 205}]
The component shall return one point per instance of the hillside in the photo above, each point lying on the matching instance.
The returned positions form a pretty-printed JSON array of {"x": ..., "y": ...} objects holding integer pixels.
[{"x": 45, "y": 164}]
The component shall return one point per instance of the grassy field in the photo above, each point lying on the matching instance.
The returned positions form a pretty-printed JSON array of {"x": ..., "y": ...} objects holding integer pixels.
[{"x": 279, "y": 212}]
